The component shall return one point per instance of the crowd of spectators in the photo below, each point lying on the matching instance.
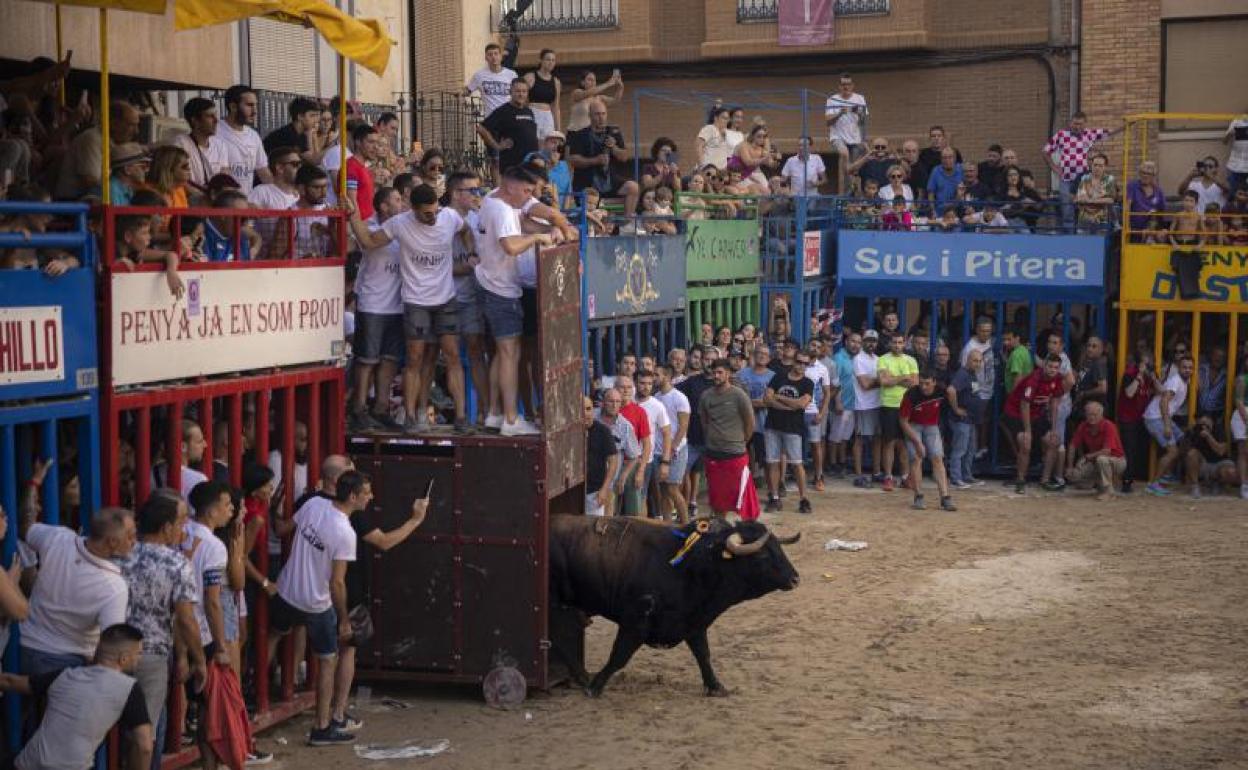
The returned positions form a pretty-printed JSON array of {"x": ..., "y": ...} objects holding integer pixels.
[{"x": 441, "y": 256}]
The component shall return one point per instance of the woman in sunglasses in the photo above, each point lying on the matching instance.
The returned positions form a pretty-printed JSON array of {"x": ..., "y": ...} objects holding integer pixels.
[{"x": 897, "y": 186}]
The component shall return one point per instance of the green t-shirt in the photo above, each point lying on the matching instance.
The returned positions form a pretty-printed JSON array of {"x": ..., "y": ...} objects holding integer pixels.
[
  {"x": 898, "y": 366},
  {"x": 1018, "y": 366}
]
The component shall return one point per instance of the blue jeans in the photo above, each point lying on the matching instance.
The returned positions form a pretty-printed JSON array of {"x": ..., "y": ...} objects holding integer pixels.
[
  {"x": 962, "y": 457},
  {"x": 1066, "y": 191}
]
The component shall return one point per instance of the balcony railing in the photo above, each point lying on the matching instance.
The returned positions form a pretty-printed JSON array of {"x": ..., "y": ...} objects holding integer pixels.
[
  {"x": 751, "y": 11},
  {"x": 560, "y": 15}
]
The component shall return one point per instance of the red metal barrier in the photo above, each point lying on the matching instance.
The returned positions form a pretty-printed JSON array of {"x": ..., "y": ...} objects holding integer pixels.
[{"x": 253, "y": 347}]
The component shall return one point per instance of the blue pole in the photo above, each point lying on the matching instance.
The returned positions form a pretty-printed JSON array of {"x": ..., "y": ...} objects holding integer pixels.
[{"x": 583, "y": 227}]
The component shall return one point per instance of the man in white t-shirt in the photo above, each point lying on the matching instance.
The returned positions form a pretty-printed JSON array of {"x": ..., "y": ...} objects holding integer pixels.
[
  {"x": 1168, "y": 401},
  {"x": 867, "y": 406},
  {"x": 80, "y": 590},
  {"x": 500, "y": 241},
  {"x": 678, "y": 414},
  {"x": 313, "y": 237},
  {"x": 192, "y": 455},
  {"x": 208, "y": 154},
  {"x": 278, "y": 195},
  {"x": 378, "y": 336},
  {"x": 660, "y": 461},
  {"x": 805, "y": 170},
  {"x": 817, "y": 409},
  {"x": 244, "y": 147},
  {"x": 212, "y": 506},
  {"x": 493, "y": 81},
  {"x": 844, "y": 114},
  {"x": 312, "y": 590},
  {"x": 425, "y": 236}
]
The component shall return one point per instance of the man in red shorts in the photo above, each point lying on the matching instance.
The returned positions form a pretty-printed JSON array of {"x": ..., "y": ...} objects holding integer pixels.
[
  {"x": 1031, "y": 410},
  {"x": 728, "y": 423}
]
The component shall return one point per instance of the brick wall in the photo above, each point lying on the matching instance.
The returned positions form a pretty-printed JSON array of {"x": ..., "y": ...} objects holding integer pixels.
[
  {"x": 1121, "y": 64},
  {"x": 1003, "y": 102}
]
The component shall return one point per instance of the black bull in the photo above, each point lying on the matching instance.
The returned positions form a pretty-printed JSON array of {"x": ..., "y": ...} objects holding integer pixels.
[{"x": 622, "y": 569}]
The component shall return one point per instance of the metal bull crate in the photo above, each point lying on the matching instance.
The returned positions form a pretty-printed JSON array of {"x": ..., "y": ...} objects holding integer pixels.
[{"x": 467, "y": 593}]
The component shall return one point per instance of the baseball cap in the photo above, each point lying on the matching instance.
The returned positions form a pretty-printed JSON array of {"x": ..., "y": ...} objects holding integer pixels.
[
  {"x": 870, "y": 334},
  {"x": 555, "y": 135}
]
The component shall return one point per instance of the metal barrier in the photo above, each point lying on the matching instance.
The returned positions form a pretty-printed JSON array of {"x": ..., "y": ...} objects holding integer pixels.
[
  {"x": 447, "y": 120},
  {"x": 1159, "y": 306},
  {"x": 797, "y": 247},
  {"x": 949, "y": 279},
  {"x": 635, "y": 293},
  {"x": 48, "y": 387},
  {"x": 251, "y": 353},
  {"x": 722, "y": 261}
]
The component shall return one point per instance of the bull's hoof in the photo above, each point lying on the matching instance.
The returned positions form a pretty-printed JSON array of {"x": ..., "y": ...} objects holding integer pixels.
[
  {"x": 593, "y": 692},
  {"x": 716, "y": 691}
]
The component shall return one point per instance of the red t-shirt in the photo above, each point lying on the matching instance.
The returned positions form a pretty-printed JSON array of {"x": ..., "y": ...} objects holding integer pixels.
[
  {"x": 1131, "y": 408},
  {"x": 638, "y": 418},
  {"x": 360, "y": 181},
  {"x": 1104, "y": 438},
  {"x": 920, "y": 409},
  {"x": 1035, "y": 390}
]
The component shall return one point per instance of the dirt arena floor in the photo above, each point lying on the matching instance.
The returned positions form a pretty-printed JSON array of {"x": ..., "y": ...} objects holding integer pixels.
[{"x": 1040, "y": 632}]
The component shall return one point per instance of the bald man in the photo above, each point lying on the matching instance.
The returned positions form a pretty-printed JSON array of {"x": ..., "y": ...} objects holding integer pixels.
[
  {"x": 80, "y": 170},
  {"x": 1096, "y": 453}
]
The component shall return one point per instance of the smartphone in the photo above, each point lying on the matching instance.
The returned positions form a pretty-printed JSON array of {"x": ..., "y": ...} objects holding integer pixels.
[{"x": 429, "y": 489}]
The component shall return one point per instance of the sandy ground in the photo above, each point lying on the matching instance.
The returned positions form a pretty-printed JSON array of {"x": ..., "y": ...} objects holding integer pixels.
[{"x": 1046, "y": 631}]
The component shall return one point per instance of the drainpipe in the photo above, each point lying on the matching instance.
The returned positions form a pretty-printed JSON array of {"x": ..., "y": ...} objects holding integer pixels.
[{"x": 1076, "y": 42}]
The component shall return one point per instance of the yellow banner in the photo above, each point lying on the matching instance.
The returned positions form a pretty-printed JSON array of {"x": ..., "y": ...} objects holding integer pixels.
[
  {"x": 1148, "y": 277},
  {"x": 363, "y": 41}
]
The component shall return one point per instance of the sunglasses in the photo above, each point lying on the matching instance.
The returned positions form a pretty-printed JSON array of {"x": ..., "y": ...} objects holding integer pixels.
[
  {"x": 472, "y": 190},
  {"x": 436, "y": 169},
  {"x": 879, "y": 147},
  {"x": 894, "y": 176}
]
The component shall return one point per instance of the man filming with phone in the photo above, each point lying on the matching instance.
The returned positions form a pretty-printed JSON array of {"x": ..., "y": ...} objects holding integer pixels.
[
  {"x": 333, "y": 574},
  {"x": 599, "y": 158}
]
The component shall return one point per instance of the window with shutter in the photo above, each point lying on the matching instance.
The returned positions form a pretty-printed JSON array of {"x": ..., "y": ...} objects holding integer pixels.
[{"x": 283, "y": 57}]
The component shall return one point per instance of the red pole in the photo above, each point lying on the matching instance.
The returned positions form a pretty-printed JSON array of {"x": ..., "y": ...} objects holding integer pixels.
[
  {"x": 173, "y": 449},
  {"x": 143, "y": 456}
]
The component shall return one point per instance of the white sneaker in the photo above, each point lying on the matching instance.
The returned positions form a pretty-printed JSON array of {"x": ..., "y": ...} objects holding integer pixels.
[
  {"x": 494, "y": 421},
  {"x": 521, "y": 427}
]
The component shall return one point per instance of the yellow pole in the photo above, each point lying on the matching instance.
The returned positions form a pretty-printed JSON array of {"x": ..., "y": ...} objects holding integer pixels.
[
  {"x": 1232, "y": 368},
  {"x": 60, "y": 52},
  {"x": 105, "y": 130},
  {"x": 342, "y": 128},
  {"x": 1193, "y": 385}
]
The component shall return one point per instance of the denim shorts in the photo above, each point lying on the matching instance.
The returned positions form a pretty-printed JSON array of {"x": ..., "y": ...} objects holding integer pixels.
[
  {"x": 676, "y": 471},
  {"x": 868, "y": 421},
  {"x": 816, "y": 429},
  {"x": 503, "y": 314},
  {"x": 429, "y": 323},
  {"x": 471, "y": 319},
  {"x": 378, "y": 336},
  {"x": 788, "y": 444},
  {"x": 1157, "y": 429},
  {"x": 322, "y": 626}
]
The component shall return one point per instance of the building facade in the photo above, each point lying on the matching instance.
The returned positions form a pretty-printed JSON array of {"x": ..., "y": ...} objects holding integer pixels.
[{"x": 988, "y": 71}]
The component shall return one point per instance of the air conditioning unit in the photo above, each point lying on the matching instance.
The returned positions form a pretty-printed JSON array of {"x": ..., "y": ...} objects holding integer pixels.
[{"x": 157, "y": 129}]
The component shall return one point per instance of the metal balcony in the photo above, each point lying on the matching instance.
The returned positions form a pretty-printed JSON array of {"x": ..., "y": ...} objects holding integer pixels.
[
  {"x": 753, "y": 11},
  {"x": 561, "y": 15}
]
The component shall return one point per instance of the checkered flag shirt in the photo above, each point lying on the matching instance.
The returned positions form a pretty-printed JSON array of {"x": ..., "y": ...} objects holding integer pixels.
[{"x": 1073, "y": 150}]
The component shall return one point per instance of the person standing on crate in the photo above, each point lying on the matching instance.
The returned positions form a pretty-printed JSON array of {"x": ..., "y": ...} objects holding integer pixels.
[{"x": 426, "y": 237}]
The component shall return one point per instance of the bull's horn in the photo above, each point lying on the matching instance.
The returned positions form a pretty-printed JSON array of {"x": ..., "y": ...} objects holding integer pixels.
[
  {"x": 789, "y": 540},
  {"x": 737, "y": 546}
]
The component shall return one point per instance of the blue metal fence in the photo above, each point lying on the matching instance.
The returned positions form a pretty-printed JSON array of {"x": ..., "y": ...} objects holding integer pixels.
[{"x": 48, "y": 381}]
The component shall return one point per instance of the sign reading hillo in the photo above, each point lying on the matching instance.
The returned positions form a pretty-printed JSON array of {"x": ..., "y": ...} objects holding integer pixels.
[
  {"x": 722, "y": 249},
  {"x": 634, "y": 275}
]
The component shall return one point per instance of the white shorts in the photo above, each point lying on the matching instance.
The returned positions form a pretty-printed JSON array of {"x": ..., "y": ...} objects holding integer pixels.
[
  {"x": 545, "y": 120},
  {"x": 842, "y": 428},
  {"x": 816, "y": 428},
  {"x": 1239, "y": 432}
]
